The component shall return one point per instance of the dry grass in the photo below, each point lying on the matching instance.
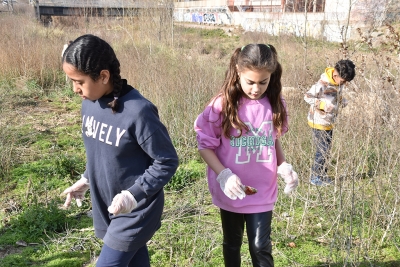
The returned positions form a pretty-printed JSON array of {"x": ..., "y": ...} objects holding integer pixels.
[{"x": 179, "y": 69}]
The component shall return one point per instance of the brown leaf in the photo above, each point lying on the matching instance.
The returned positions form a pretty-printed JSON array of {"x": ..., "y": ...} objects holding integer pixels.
[{"x": 249, "y": 190}]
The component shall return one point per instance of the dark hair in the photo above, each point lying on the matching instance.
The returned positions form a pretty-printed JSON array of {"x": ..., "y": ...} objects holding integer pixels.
[
  {"x": 253, "y": 57},
  {"x": 90, "y": 55},
  {"x": 346, "y": 69}
]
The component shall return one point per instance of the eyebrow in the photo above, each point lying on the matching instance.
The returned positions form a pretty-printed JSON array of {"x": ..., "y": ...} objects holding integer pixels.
[{"x": 254, "y": 81}]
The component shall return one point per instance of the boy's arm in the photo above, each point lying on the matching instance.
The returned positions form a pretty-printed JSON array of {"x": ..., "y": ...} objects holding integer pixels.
[
  {"x": 315, "y": 98},
  {"x": 311, "y": 96}
]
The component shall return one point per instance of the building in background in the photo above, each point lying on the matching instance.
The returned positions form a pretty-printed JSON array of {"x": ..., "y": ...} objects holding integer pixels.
[{"x": 334, "y": 20}]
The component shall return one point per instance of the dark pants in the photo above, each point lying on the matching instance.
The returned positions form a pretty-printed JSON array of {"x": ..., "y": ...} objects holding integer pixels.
[
  {"x": 113, "y": 258},
  {"x": 322, "y": 140},
  {"x": 258, "y": 228}
]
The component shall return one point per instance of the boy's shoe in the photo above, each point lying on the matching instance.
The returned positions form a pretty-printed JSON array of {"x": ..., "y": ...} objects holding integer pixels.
[
  {"x": 319, "y": 181},
  {"x": 316, "y": 180}
]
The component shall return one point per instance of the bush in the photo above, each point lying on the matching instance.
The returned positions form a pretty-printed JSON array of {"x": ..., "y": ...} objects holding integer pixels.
[
  {"x": 35, "y": 221},
  {"x": 186, "y": 175}
]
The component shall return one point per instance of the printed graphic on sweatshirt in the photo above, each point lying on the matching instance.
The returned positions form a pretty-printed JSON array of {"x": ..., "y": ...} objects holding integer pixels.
[
  {"x": 255, "y": 145},
  {"x": 103, "y": 132}
]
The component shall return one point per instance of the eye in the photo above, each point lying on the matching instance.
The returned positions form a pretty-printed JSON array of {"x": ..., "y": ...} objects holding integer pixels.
[{"x": 262, "y": 83}]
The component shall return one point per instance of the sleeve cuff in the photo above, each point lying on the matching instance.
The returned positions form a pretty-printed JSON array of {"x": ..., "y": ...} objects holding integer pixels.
[{"x": 137, "y": 192}]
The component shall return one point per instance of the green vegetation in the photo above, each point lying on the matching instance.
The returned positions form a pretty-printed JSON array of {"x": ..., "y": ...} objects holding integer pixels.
[{"x": 352, "y": 223}]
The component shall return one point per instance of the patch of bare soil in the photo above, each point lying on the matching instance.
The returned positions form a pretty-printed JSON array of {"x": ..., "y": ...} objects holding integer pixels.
[{"x": 4, "y": 251}]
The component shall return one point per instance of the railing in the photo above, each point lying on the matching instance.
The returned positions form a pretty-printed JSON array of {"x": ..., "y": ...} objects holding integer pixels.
[
  {"x": 256, "y": 3},
  {"x": 99, "y": 3},
  {"x": 270, "y": 6},
  {"x": 202, "y": 4}
]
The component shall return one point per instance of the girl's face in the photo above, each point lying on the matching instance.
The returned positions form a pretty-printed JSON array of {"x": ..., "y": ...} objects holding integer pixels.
[
  {"x": 85, "y": 86},
  {"x": 254, "y": 83}
]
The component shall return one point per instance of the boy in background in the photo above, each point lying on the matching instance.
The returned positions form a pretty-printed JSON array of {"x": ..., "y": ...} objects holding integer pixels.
[{"x": 324, "y": 99}]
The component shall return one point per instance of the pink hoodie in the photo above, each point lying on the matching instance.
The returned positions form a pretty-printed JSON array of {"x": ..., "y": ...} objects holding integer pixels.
[{"x": 252, "y": 157}]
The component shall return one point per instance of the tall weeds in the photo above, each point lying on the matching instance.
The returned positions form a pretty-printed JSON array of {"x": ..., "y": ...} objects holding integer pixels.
[{"x": 179, "y": 70}]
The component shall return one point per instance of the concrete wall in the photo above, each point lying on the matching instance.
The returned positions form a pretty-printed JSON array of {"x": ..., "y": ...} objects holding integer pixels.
[
  {"x": 330, "y": 24},
  {"x": 340, "y": 6},
  {"x": 318, "y": 25}
]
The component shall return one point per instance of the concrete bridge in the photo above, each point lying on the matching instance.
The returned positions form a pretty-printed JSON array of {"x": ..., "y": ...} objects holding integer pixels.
[{"x": 115, "y": 8}]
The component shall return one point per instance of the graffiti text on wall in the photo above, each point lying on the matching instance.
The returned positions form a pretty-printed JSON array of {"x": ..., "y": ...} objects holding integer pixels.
[{"x": 204, "y": 17}]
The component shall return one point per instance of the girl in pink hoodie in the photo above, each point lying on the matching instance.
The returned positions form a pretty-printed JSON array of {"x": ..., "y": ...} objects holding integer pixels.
[{"x": 238, "y": 137}]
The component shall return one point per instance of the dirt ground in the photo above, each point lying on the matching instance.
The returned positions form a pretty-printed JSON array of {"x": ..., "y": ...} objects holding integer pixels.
[{"x": 4, "y": 251}]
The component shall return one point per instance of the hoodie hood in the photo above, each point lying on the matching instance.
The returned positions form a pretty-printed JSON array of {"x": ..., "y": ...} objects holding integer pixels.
[{"x": 329, "y": 73}]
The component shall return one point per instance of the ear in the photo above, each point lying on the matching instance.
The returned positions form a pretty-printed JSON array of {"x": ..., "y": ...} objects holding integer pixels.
[
  {"x": 104, "y": 76},
  {"x": 237, "y": 71}
]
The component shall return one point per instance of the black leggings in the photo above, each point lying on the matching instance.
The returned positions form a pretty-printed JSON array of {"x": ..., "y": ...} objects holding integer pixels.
[{"x": 258, "y": 228}]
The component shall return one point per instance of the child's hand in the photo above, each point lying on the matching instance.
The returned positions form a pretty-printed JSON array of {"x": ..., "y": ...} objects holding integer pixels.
[
  {"x": 326, "y": 106},
  {"x": 285, "y": 170},
  {"x": 76, "y": 191},
  {"x": 292, "y": 185},
  {"x": 123, "y": 202},
  {"x": 231, "y": 185}
]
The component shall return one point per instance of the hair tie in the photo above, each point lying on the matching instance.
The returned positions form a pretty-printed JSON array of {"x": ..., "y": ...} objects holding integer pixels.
[
  {"x": 268, "y": 46},
  {"x": 243, "y": 48},
  {"x": 115, "y": 97}
]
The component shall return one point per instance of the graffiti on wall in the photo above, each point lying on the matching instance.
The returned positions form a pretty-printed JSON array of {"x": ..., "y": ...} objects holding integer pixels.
[
  {"x": 203, "y": 17},
  {"x": 317, "y": 28},
  {"x": 210, "y": 18},
  {"x": 196, "y": 17}
]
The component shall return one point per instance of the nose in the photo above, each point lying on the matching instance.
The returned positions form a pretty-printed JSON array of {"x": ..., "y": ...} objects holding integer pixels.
[
  {"x": 256, "y": 87},
  {"x": 76, "y": 89}
]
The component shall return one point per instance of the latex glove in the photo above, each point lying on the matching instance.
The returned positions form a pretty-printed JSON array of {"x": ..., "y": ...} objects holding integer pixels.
[
  {"x": 231, "y": 185},
  {"x": 285, "y": 170},
  {"x": 123, "y": 202},
  {"x": 77, "y": 191}
]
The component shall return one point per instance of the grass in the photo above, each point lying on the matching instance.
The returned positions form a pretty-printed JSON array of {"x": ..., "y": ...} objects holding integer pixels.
[{"x": 353, "y": 223}]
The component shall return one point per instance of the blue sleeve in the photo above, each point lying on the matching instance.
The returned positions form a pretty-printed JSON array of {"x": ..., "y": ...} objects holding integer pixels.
[{"x": 154, "y": 139}]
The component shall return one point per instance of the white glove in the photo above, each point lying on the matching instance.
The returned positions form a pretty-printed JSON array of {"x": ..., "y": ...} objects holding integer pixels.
[
  {"x": 123, "y": 202},
  {"x": 77, "y": 191},
  {"x": 285, "y": 170},
  {"x": 230, "y": 184}
]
